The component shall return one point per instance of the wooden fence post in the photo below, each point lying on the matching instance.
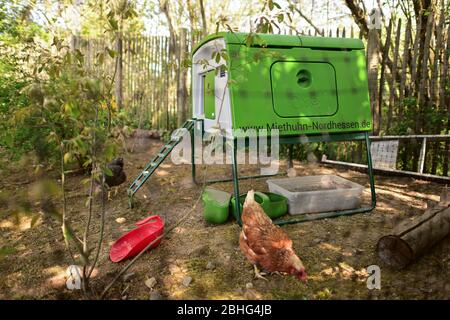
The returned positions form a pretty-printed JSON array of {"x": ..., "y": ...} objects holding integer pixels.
[{"x": 119, "y": 72}]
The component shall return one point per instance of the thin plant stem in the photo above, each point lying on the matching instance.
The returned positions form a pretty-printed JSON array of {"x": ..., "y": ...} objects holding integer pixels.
[{"x": 124, "y": 269}]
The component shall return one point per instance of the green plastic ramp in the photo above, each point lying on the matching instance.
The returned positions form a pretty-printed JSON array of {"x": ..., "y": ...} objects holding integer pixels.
[{"x": 157, "y": 160}]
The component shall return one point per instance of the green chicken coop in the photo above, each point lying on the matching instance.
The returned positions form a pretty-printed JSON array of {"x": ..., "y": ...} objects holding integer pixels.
[
  {"x": 311, "y": 89},
  {"x": 299, "y": 85}
]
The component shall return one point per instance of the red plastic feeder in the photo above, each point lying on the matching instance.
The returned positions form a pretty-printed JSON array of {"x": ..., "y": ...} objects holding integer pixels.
[{"x": 137, "y": 239}]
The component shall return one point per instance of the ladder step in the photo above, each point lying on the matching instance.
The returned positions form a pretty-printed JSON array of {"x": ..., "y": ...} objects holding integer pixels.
[
  {"x": 166, "y": 148},
  {"x": 188, "y": 124},
  {"x": 156, "y": 161}
]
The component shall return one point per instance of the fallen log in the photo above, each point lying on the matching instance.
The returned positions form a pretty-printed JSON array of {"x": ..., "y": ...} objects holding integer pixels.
[{"x": 411, "y": 239}]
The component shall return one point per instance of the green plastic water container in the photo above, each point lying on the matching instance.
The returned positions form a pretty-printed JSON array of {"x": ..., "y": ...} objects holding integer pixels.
[
  {"x": 274, "y": 205},
  {"x": 277, "y": 205},
  {"x": 216, "y": 205}
]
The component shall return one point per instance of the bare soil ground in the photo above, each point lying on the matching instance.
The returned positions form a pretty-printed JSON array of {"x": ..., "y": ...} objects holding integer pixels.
[{"x": 334, "y": 251}]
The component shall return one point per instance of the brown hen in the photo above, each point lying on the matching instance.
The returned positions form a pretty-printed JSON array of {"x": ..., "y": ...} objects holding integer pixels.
[{"x": 265, "y": 244}]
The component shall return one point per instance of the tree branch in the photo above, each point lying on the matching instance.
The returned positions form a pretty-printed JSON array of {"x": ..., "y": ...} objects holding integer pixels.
[
  {"x": 299, "y": 11},
  {"x": 202, "y": 12},
  {"x": 164, "y": 7},
  {"x": 359, "y": 16}
]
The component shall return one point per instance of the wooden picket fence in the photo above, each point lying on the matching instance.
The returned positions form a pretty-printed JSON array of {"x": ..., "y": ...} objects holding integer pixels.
[{"x": 150, "y": 75}]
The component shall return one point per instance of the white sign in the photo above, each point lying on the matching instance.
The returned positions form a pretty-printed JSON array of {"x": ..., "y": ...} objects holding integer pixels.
[{"x": 384, "y": 154}]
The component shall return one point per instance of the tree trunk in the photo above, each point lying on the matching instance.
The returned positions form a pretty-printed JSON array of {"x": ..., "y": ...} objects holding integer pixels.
[
  {"x": 372, "y": 65},
  {"x": 182, "y": 92},
  {"x": 404, "y": 66},
  {"x": 204, "y": 24},
  {"x": 192, "y": 21},
  {"x": 385, "y": 57},
  {"x": 164, "y": 6},
  {"x": 392, "y": 102},
  {"x": 421, "y": 81},
  {"x": 359, "y": 16}
]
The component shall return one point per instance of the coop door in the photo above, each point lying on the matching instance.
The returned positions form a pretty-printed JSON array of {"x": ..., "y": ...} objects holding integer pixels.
[
  {"x": 303, "y": 89},
  {"x": 209, "y": 97}
]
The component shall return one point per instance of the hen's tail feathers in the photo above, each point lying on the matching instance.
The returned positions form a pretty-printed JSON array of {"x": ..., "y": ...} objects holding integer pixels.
[{"x": 250, "y": 198}]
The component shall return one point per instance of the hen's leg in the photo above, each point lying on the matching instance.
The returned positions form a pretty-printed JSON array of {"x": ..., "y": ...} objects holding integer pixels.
[{"x": 258, "y": 274}]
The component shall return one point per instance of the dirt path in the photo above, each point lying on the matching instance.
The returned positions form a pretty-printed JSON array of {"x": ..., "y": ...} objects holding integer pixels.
[{"x": 334, "y": 251}]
